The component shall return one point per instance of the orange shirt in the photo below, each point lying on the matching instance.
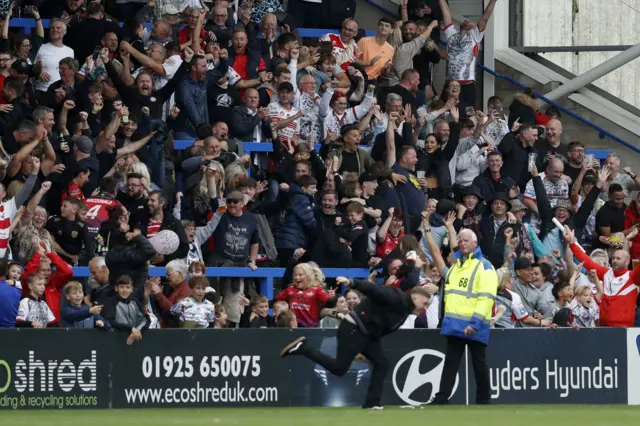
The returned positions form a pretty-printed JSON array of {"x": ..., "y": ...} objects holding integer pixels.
[{"x": 370, "y": 49}]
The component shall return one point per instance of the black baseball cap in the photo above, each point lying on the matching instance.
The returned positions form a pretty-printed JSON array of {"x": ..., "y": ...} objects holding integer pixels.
[
  {"x": 285, "y": 86},
  {"x": 21, "y": 67},
  {"x": 368, "y": 177},
  {"x": 523, "y": 263}
]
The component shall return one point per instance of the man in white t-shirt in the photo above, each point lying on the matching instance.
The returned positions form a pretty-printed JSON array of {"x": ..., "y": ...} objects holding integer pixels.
[
  {"x": 286, "y": 116},
  {"x": 462, "y": 49},
  {"x": 50, "y": 55}
]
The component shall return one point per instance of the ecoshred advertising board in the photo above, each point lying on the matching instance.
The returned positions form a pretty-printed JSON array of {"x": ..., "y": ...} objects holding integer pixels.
[{"x": 58, "y": 368}]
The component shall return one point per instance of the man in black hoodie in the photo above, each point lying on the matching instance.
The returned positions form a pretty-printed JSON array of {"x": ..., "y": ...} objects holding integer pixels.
[
  {"x": 381, "y": 311},
  {"x": 129, "y": 256}
]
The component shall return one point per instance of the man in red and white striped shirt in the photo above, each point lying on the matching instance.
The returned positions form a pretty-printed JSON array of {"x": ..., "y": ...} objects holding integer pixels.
[
  {"x": 9, "y": 208},
  {"x": 619, "y": 290},
  {"x": 345, "y": 48}
]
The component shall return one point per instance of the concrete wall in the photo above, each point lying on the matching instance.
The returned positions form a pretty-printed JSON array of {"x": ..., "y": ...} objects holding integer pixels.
[
  {"x": 587, "y": 23},
  {"x": 573, "y": 129}
]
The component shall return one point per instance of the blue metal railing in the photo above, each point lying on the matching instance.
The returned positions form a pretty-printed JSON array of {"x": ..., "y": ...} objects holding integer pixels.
[
  {"x": 267, "y": 275},
  {"x": 602, "y": 132}
]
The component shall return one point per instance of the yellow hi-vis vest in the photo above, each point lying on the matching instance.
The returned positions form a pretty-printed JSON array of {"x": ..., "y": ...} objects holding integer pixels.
[{"x": 469, "y": 293}]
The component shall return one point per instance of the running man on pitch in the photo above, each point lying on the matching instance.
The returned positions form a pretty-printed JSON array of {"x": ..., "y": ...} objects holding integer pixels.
[{"x": 381, "y": 311}]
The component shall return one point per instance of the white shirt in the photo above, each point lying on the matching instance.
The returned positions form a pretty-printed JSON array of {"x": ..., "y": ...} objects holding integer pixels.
[
  {"x": 462, "y": 51},
  {"x": 51, "y": 56}
]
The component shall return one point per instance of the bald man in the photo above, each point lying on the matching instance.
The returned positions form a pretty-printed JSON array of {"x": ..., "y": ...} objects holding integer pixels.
[
  {"x": 551, "y": 145},
  {"x": 619, "y": 289},
  {"x": 556, "y": 187}
]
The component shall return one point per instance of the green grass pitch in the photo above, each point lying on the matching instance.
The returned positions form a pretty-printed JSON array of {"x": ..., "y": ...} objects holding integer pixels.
[{"x": 520, "y": 415}]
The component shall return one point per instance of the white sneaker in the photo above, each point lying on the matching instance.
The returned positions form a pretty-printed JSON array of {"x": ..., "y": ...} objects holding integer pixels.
[{"x": 293, "y": 347}]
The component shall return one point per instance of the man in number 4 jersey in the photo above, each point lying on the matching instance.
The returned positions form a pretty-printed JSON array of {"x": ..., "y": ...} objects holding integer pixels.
[{"x": 99, "y": 205}]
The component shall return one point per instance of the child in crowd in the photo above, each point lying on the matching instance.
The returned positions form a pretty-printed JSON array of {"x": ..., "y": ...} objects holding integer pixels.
[
  {"x": 353, "y": 298},
  {"x": 279, "y": 307},
  {"x": 221, "y": 317},
  {"x": 305, "y": 296},
  {"x": 334, "y": 307},
  {"x": 563, "y": 293},
  {"x": 195, "y": 311},
  {"x": 33, "y": 311},
  {"x": 260, "y": 317},
  {"x": 14, "y": 274},
  {"x": 355, "y": 233},
  {"x": 584, "y": 315},
  {"x": 10, "y": 297},
  {"x": 75, "y": 314},
  {"x": 125, "y": 313},
  {"x": 197, "y": 269},
  {"x": 287, "y": 319}
]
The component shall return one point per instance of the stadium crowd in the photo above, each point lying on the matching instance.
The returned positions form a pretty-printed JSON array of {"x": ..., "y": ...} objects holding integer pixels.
[{"x": 90, "y": 113}]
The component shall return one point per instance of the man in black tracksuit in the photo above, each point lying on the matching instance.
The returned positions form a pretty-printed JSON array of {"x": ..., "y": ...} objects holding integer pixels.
[{"x": 382, "y": 310}]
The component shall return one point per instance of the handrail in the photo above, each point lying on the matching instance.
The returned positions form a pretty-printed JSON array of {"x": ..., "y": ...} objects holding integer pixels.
[
  {"x": 602, "y": 132},
  {"x": 266, "y": 274}
]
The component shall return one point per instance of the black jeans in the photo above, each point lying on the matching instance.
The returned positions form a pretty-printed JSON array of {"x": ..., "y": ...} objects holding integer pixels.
[
  {"x": 468, "y": 94},
  {"x": 351, "y": 342},
  {"x": 455, "y": 352}
]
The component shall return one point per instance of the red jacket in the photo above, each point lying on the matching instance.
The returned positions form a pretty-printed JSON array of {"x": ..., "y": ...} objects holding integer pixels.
[
  {"x": 182, "y": 291},
  {"x": 53, "y": 289},
  {"x": 632, "y": 217},
  {"x": 618, "y": 304},
  {"x": 305, "y": 304}
]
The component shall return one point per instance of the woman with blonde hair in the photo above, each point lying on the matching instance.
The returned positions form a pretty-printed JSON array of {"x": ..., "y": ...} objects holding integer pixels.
[
  {"x": 211, "y": 187},
  {"x": 233, "y": 173},
  {"x": 306, "y": 295}
]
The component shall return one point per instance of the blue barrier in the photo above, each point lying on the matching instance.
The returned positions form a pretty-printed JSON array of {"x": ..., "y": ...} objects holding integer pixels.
[
  {"x": 28, "y": 24},
  {"x": 266, "y": 274}
]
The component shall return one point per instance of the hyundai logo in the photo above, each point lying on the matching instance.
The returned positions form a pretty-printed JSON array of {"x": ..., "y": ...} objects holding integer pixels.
[{"x": 414, "y": 379}]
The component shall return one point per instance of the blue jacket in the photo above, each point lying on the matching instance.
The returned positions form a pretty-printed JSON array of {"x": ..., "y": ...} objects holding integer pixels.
[
  {"x": 9, "y": 300},
  {"x": 469, "y": 292},
  {"x": 298, "y": 221},
  {"x": 191, "y": 98},
  {"x": 78, "y": 317}
]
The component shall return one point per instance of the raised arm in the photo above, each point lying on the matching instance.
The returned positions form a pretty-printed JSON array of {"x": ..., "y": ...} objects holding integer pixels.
[
  {"x": 446, "y": 13},
  {"x": 484, "y": 19},
  {"x": 434, "y": 249},
  {"x": 134, "y": 146},
  {"x": 143, "y": 59},
  {"x": 390, "y": 139}
]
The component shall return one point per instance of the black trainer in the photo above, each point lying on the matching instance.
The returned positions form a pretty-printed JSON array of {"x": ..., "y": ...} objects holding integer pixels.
[{"x": 293, "y": 348}]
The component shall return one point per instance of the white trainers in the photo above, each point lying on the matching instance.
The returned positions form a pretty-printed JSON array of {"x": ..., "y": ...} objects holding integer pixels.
[{"x": 293, "y": 347}]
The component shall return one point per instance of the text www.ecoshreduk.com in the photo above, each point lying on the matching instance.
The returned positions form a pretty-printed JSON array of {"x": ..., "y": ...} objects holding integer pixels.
[{"x": 197, "y": 394}]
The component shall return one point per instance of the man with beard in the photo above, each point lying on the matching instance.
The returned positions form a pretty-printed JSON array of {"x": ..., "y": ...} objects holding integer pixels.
[
  {"x": 159, "y": 220},
  {"x": 191, "y": 98},
  {"x": 412, "y": 45},
  {"x": 134, "y": 200},
  {"x": 144, "y": 94}
]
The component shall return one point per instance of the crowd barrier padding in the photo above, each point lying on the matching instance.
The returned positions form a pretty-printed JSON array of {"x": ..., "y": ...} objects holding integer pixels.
[{"x": 58, "y": 369}]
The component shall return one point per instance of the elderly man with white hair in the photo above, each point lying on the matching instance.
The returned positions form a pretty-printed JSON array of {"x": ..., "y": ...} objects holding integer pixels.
[
  {"x": 177, "y": 272},
  {"x": 469, "y": 293}
]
